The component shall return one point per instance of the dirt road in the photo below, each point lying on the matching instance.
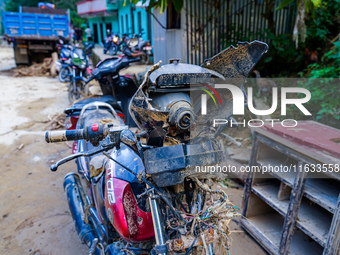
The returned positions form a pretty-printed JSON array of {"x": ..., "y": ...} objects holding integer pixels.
[{"x": 34, "y": 215}]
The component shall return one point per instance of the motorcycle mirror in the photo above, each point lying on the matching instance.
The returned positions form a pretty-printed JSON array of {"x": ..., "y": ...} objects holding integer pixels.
[{"x": 128, "y": 137}]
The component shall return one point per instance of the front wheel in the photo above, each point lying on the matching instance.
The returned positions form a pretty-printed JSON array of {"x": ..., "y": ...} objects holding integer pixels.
[
  {"x": 146, "y": 59},
  {"x": 113, "y": 50},
  {"x": 64, "y": 74},
  {"x": 81, "y": 90}
]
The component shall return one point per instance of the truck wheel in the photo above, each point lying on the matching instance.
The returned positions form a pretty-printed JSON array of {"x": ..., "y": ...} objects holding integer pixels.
[{"x": 64, "y": 74}]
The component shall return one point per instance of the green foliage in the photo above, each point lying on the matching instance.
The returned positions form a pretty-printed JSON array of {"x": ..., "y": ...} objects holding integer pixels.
[
  {"x": 309, "y": 4},
  {"x": 282, "y": 58},
  {"x": 76, "y": 20},
  {"x": 323, "y": 24},
  {"x": 162, "y": 4},
  {"x": 178, "y": 4},
  {"x": 13, "y": 6},
  {"x": 324, "y": 87},
  {"x": 283, "y": 4}
]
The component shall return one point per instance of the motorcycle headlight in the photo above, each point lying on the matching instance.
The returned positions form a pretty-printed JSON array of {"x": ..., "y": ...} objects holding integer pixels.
[{"x": 115, "y": 39}]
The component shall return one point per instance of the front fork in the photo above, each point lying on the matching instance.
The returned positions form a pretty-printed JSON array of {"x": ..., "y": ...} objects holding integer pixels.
[
  {"x": 74, "y": 80},
  {"x": 157, "y": 225},
  {"x": 158, "y": 229}
]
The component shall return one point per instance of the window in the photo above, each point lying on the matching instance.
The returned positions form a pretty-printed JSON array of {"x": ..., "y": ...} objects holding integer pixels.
[
  {"x": 108, "y": 27},
  {"x": 127, "y": 24},
  {"x": 132, "y": 20},
  {"x": 122, "y": 25},
  {"x": 139, "y": 22},
  {"x": 95, "y": 32},
  {"x": 101, "y": 32},
  {"x": 173, "y": 17}
]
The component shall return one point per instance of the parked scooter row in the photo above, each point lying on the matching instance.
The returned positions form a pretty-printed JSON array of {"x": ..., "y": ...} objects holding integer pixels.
[
  {"x": 117, "y": 88},
  {"x": 72, "y": 55},
  {"x": 106, "y": 73},
  {"x": 113, "y": 44},
  {"x": 146, "y": 195}
]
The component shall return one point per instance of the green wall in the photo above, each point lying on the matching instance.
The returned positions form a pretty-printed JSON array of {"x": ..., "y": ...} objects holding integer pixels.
[
  {"x": 122, "y": 22},
  {"x": 103, "y": 20}
]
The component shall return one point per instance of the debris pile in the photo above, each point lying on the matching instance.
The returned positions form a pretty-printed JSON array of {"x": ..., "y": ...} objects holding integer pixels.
[
  {"x": 47, "y": 68},
  {"x": 41, "y": 69},
  {"x": 55, "y": 122}
]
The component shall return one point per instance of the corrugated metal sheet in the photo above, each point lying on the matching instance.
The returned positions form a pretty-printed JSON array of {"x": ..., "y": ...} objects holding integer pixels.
[{"x": 213, "y": 25}]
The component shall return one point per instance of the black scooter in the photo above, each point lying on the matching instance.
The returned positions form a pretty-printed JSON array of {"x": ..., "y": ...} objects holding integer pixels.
[{"x": 117, "y": 89}]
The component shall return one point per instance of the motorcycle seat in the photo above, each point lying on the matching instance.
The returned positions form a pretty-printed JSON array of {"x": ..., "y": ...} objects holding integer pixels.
[{"x": 77, "y": 107}]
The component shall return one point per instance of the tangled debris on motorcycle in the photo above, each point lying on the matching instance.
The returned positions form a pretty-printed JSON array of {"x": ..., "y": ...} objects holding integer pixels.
[{"x": 146, "y": 193}]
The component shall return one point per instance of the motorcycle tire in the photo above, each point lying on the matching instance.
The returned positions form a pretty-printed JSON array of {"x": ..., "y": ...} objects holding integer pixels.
[
  {"x": 146, "y": 59},
  {"x": 81, "y": 91},
  {"x": 64, "y": 74},
  {"x": 113, "y": 50}
]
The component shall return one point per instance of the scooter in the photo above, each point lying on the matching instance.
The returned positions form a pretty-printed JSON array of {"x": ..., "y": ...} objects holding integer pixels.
[
  {"x": 146, "y": 195},
  {"x": 145, "y": 47},
  {"x": 120, "y": 87}
]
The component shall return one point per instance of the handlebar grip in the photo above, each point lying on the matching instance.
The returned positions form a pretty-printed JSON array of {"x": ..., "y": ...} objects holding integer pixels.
[
  {"x": 64, "y": 135},
  {"x": 54, "y": 167}
]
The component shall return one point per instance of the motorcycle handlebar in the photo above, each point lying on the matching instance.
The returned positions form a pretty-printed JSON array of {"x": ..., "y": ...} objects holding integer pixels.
[
  {"x": 64, "y": 135},
  {"x": 93, "y": 133}
]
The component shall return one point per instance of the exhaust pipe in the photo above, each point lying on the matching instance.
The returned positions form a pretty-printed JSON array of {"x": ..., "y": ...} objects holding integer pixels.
[{"x": 76, "y": 201}]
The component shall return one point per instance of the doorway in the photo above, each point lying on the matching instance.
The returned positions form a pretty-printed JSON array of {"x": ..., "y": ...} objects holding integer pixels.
[
  {"x": 95, "y": 32},
  {"x": 101, "y": 32}
]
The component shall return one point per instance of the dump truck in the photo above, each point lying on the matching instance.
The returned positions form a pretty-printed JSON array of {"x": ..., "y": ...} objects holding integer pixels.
[{"x": 35, "y": 32}]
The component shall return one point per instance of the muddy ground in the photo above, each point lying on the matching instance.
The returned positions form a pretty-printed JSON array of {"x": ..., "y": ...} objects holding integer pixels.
[{"x": 34, "y": 215}]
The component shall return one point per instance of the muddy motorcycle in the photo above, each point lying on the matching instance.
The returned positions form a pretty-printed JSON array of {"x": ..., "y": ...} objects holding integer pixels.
[
  {"x": 146, "y": 195},
  {"x": 80, "y": 71}
]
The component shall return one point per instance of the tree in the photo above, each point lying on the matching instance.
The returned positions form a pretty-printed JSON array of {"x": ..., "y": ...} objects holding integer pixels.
[
  {"x": 76, "y": 20},
  {"x": 13, "y": 6},
  {"x": 162, "y": 4}
]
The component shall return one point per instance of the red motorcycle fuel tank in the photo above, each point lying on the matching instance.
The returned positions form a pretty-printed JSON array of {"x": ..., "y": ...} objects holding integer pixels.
[{"x": 131, "y": 222}]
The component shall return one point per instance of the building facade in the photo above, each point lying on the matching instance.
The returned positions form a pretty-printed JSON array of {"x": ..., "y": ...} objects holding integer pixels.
[{"x": 104, "y": 15}]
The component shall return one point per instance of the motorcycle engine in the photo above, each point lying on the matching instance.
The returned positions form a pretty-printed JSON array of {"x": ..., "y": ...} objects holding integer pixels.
[{"x": 162, "y": 106}]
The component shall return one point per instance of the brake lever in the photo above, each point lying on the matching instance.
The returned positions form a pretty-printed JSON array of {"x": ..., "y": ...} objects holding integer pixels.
[{"x": 104, "y": 147}]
